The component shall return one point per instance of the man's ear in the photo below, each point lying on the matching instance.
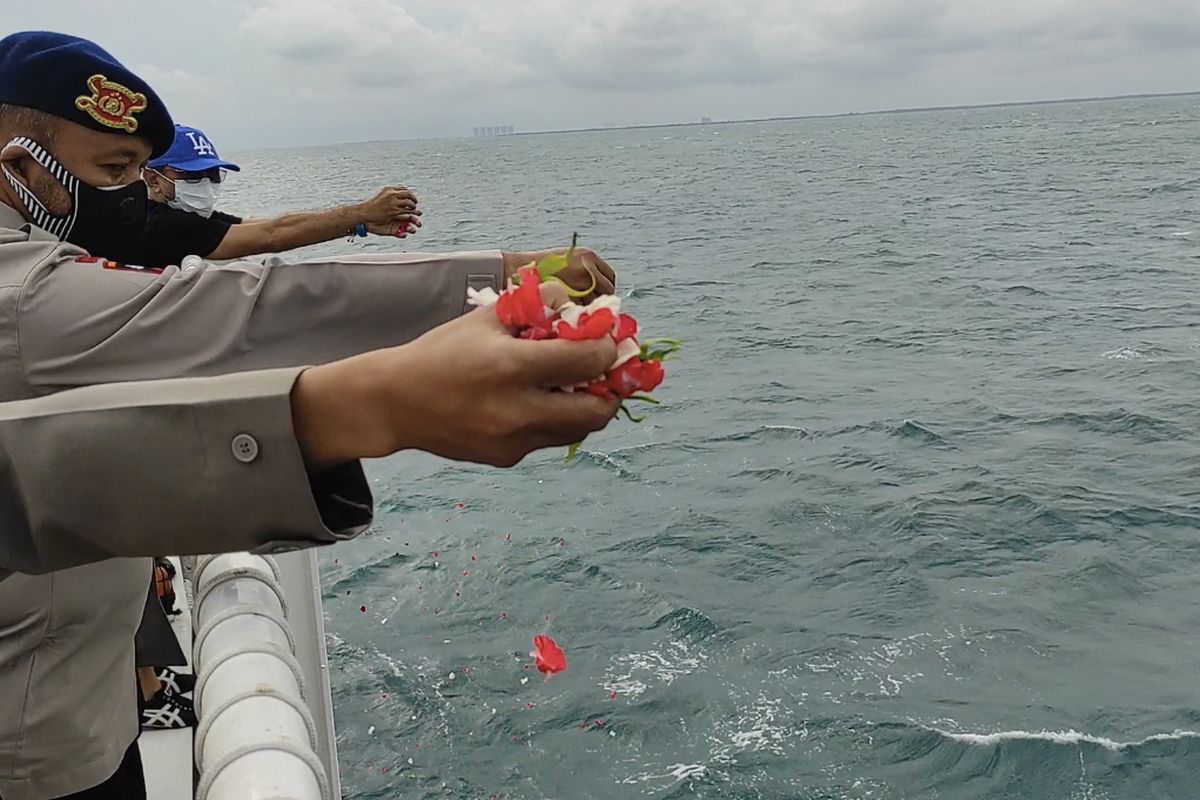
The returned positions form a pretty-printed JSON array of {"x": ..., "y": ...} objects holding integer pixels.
[
  {"x": 156, "y": 185},
  {"x": 18, "y": 163}
]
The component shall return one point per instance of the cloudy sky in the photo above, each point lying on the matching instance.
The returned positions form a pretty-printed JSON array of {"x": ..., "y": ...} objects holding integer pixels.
[{"x": 283, "y": 72}]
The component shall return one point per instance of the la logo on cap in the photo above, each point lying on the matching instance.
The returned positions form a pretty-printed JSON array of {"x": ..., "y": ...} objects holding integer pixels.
[{"x": 202, "y": 146}]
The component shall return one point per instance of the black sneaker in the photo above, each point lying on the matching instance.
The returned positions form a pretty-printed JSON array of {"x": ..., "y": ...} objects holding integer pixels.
[
  {"x": 181, "y": 683},
  {"x": 168, "y": 710}
]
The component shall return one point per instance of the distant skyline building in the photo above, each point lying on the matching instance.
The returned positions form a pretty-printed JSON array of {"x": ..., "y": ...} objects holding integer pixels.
[{"x": 484, "y": 131}]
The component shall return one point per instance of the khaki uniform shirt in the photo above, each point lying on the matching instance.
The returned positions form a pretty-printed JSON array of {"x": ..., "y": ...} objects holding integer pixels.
[{"x": 166, "y": 477}]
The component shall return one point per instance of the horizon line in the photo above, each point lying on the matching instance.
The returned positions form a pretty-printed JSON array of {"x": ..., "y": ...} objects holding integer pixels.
[
  {"x": 745, "y": 120},
  {"x": 839, "y": 114}
]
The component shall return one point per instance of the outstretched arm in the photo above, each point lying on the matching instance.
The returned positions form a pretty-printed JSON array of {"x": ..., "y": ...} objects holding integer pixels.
[{"x": 392, "y": 212}]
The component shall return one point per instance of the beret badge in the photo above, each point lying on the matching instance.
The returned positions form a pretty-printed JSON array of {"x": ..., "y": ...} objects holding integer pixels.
[{"x": 111, "y": 104}]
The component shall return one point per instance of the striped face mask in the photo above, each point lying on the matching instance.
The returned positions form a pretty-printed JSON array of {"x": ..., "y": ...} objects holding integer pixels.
[{"x": 103, "y": 221}]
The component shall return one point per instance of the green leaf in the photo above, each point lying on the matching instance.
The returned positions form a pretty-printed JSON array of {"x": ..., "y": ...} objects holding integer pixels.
[
  {"x": 575, "y": 292},
  {"x": 572, "y": 450},
  {"x": 630, "y": 415},
  {"x": 659, "y": 349},
  {"x": 553, "y": 264}
]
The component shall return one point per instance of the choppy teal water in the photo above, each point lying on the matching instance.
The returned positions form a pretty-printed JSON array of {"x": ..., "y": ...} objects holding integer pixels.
[{"x": 919, "y": 518}]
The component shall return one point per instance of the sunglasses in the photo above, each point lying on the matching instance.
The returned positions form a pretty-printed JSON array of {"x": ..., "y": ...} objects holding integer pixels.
[{"x": 216, "y": 175}]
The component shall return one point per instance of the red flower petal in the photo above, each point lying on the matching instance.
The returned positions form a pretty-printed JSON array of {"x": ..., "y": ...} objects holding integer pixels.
[
  {"x": 548, "y": 656},
  {"x": 521, "y": 306},
  {"x": 592, "y": 325},
  {"x": 626, "y": 379},
  {"x": 600, "y": 389},
  {"x": 627, "y": 328},
  {"x": 652, "y": 375},
  {"x": 537, "y": 333}
]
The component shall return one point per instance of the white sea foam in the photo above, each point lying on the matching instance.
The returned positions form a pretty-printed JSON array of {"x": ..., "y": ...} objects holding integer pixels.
[
  {"x": 1068, "y": 738},
  {"x": 633, "y": 673},
  {"x": 675, "y": 772},
  {"x": 1124, "y": 354}
]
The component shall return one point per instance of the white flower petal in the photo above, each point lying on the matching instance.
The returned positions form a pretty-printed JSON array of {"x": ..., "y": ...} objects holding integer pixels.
[
  {"x": 609, "y": 301},
  {"x": 482, "y": 297},
  {"x": 625, "y": 351},
  {"x": 570, "y": 314}
]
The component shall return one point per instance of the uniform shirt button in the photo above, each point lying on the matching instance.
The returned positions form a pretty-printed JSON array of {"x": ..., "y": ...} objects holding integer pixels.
[{"x": 245, "y": 448}]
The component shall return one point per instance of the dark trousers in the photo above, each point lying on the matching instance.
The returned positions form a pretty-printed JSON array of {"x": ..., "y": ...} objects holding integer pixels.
[{"x": 127, "y": 783}]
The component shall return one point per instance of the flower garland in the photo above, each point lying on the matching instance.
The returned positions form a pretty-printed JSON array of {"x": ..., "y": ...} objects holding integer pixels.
[{"x": 638, "y": 368}]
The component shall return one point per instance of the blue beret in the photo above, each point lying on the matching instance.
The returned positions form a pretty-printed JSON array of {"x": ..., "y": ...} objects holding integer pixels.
[{"x": 77, "y": 80}]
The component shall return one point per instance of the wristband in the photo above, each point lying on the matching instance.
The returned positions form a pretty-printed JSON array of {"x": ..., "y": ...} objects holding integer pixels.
[{"x": 360, "y": 229}]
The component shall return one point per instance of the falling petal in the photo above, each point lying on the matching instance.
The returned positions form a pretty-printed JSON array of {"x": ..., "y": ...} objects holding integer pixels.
[{"x": 549, "y": 657}]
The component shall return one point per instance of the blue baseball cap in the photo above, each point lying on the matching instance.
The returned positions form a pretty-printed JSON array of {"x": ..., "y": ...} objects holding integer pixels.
[
  {"x": 79, "y": 81},
  {"x": 192, "y": 152}
]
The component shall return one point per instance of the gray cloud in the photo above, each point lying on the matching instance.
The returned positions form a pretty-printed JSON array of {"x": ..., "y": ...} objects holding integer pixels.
[{"x": 300, "y": 71}]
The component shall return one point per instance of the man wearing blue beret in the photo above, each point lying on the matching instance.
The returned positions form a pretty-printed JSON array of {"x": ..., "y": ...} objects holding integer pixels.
[
  {"x": 76, "y": 130},
  {"x": 183, "y": 186}
]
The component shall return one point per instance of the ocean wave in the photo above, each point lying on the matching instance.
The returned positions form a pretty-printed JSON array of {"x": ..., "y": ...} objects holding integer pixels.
[
  {"x": 1069, "y": 738},
  {"x": 1022, "y": 289},
  {"x": 911, "y": 429},
  {"x": 1117, "y": 421}
]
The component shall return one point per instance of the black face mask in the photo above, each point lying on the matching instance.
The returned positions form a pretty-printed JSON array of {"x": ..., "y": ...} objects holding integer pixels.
[{"x": 105, "y": 222}]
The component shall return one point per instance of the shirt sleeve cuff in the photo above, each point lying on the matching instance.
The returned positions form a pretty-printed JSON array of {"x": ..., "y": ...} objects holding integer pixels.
[
  {"x": 269, "y": 497},
  {"x": 185, "y": 467}
]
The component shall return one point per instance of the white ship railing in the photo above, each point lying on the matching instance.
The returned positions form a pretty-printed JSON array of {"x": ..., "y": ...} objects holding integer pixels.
[{"x": 262, "y": 688}]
